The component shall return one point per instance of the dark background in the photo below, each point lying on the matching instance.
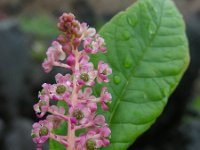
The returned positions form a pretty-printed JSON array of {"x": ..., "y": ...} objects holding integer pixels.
[{"x": 27, "y": 27}]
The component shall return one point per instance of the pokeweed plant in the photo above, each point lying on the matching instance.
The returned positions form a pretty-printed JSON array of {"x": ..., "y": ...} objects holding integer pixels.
[{"x": 147, "y": 50}]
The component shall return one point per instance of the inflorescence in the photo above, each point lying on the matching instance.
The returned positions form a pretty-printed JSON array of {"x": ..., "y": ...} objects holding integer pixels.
[{"x": 70, "y": 51}]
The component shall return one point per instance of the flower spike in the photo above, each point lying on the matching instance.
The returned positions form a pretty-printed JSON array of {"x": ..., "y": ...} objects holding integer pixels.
[{"x": 74, "y": 90}]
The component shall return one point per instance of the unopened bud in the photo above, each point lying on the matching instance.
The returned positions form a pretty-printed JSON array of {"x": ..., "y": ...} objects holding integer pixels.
[{"x": 70, "y": 60}]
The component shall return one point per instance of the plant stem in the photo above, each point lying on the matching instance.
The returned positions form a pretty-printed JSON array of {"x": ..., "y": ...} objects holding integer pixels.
[
  {"x": 71, "y": 129},
  {"x": 71, "y": 137}
]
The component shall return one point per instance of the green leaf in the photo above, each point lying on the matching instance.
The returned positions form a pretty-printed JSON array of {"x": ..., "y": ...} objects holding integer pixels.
[
  {"x": 62, "y": 130},
  {"x": 148, "y": 52},
  {"x": 54, "y": 145}
]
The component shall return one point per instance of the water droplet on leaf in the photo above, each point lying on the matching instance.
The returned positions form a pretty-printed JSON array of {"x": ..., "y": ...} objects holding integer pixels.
[
  {"x": 132, "y": 20},
  {"x": 152, "y": 28},
  {"x": 116, "y": 79},
  {"x": 128, "y": 62},
  {"x": 155, "y": 9},
  {"x": 126, "y": 35}
]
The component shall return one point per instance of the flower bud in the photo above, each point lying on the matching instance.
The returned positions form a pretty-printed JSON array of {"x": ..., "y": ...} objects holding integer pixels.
[
  {"x": 67, "y": 47},
  {"x": 70, "y": 60},
  {"x": 61, "y": 39},
  {"x": 76, "y": 42}
]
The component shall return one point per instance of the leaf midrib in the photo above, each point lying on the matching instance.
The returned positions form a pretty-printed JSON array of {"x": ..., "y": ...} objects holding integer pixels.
[{"x": 137, "y": 64}]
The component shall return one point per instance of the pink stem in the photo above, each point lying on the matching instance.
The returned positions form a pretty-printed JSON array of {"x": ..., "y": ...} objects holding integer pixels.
[
  {"x": 95, "y": 100},
  {"x": 61, "y": 139},
  {"x": 84, "y": 126},
  {"x": 66, "y": 118},
  {"x": 71, "y": 128},
  {"x": 59, "y": 64}
]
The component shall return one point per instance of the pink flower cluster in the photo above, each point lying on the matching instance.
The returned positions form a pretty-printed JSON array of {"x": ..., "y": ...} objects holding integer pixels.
[{"x": 74, "y": 90}]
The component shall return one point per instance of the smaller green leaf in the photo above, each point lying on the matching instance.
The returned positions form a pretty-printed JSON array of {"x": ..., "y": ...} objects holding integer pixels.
[
  {"x": 62, "y": 130},
  {"x": 54, "y": 145}
]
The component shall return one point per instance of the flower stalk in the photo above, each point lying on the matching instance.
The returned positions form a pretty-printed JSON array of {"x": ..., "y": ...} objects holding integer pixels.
[{"x": 74, "y": 90}]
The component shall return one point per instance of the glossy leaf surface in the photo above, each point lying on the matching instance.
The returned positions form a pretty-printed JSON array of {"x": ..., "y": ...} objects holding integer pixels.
[{"x": 148, "y": 52}]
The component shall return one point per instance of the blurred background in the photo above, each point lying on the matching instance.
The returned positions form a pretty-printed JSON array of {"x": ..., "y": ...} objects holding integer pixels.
[{"x": 27, "y": 28}]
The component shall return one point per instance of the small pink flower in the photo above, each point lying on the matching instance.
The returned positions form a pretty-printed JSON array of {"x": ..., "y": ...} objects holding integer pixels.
[
  {"x": 100, "y": 41},
  {"x": 86, "y": 94},
  {"x": 47, "y": 65},
  {"x": 104, "y": 98},
  {"x": 94, "y": 139},
  {"x": 41, "y": 108},
  {"x": 84, "y": 63},
  {"x": 81, "y": 113},
  {"x": 61, "y": 90},
  {"x": 91, "y": 32},
  {"x": 66, "y": 79},
  {"x": 41, "y": 131},
  {"x": 54, "y": 54},
  {"x": 103, "y": 71},
  {"x": 87, "y": 32},
  {"x": 57, "y": 51},
  {"x": 87, "y": 78},
  {"x": 93, "y": 122},
  {"x": 86, "y": 141},
  {"x": 44, "y": 94},
  {"x": 86, "y": 75},
  {"x": 90, "y": 46},
  {"x": 57, "y": 109},
  {"x": 85, "y": 97},
  {"x": 100, "y": 120},
  {"x": 93, "y": 45},
  {"x": 84, "y": 59},
  {"x": 104, "y": 131},
  {"x": 56, "y": 120}
]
